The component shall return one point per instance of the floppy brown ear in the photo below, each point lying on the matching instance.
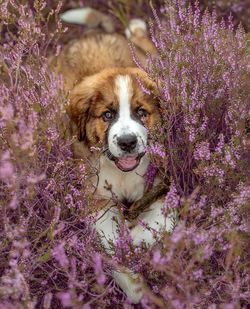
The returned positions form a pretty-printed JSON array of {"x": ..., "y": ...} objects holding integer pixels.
[{"x": 81, "y": 97}]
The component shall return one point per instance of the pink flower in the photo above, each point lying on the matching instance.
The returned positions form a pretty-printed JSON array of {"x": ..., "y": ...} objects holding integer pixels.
[
  {"x": 202, "y": 151},
  {"x": 60, "y": 255},
  {"x": 172, "y": 199},
  {"x": 156, "y": 149},
  {"x": 101, "y": 278},
  {"x": 65, "y": 299},
  {"x": 6, "y": 170},
  {"x": 6, "y": 167}
]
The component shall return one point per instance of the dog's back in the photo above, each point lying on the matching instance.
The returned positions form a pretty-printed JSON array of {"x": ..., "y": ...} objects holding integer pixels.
[
  {"x": 99, "y": 48},
  {"x": 91, "y": 54}
]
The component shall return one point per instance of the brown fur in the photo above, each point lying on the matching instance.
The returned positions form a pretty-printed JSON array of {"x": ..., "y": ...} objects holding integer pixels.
[
  {"x": 93, "y": 53},
  {"x": 89, "y": 66},
  {"x": 96, "y": 94}
]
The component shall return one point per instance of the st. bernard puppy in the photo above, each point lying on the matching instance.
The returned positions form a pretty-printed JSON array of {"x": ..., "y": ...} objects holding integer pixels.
[{"x": 109, "y": 109}]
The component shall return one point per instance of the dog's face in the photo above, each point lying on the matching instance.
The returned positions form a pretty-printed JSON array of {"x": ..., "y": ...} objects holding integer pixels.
[{"x": 110, "y": 109}]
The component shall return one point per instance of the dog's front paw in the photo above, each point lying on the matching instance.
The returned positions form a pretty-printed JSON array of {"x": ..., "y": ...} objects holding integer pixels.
[
  {"x": 130, "y": 283},
  {"x": 157, "y": 220},
  {"x": 154, "y": 222}
]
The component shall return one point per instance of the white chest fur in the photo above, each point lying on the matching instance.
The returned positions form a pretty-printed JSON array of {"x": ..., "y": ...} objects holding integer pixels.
[{"x": 125, "y": 185}]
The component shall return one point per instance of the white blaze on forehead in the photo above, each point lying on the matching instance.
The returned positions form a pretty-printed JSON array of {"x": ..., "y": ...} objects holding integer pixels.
[
  {"x": 125, "y": 124},
  {"x": 124, "y": 93}
]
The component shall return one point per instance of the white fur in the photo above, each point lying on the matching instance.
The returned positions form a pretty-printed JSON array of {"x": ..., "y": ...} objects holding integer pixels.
[
  {"x": 76, "y": 16},
  {"x": 134, "y": 25},
  {"x": 130, "y": 283},
  {"x": 155, "y": 221},
  {"x": 129, "y": 186},
  {"x": 107, "y": 226},
  {"x": 125, "y": 185},
  {"x": 125, "y": 124}
]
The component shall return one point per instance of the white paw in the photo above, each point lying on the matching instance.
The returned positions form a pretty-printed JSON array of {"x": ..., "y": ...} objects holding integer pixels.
[
  {"x": 130, "y": 283},
  {"x": 77, "y": 16},
  {"x": 107, "y": 226},
  {"x": 135, "y": 25},
  {"x": 155, "y": 222}
]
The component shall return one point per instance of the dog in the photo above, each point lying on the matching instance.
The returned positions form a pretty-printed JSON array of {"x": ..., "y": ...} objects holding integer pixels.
[{"x": 110, "y": 109}]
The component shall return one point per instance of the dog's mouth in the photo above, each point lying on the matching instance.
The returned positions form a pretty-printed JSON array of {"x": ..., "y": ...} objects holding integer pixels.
[{"x": 126, "y": 163}]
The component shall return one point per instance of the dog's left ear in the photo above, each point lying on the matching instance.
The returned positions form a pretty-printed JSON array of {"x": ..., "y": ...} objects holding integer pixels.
[{"x": 80, "y": 98}]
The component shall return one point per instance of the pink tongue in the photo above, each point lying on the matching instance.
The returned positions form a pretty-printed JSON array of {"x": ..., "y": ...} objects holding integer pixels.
[{"x": 127, "y": 162}]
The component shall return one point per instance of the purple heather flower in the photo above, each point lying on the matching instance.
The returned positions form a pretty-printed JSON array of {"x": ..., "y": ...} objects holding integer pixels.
[
  {"x": 172, "y": 199},
  {"x": 60, "y": 255},
  {"x": 101, "y": 278},
  {"x": 65, "y": 299},
  {"x": 156, "y": 149},
  {"x": 202, "y": 151},
  {"x": 45, "y": 193}
]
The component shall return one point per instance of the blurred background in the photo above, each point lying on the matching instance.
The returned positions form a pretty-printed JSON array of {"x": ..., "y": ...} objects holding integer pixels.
[{"x": 238, "y": 9}]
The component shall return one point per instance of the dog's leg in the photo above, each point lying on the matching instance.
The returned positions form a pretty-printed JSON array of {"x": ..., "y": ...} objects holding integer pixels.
[
  {"x": 89, "y": 17},
  {"x": 153, "y": 222},
  {"x": 138, "y": 34},
  {"x": 130, "y": 283},
  {"x": 107, "y": 226}
]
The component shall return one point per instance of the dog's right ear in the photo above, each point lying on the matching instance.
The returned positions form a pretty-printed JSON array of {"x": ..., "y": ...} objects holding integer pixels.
[{"x": 80, "y": 98}]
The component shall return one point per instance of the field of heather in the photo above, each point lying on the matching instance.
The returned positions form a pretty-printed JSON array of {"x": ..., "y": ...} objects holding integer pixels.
[{"x": 50, "y": 256}]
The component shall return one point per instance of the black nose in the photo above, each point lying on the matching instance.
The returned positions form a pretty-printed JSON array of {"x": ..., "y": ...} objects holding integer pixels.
[{"x": 127, "y": 142}]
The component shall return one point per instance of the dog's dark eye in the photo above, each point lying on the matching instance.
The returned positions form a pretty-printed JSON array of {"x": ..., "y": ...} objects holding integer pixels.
[
  {"x": 107, "y": 116},
  {"x": 141, "y": 112}
]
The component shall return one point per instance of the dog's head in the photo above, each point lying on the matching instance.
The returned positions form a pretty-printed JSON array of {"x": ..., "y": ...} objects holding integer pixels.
[{"x": 110, "y": 109}]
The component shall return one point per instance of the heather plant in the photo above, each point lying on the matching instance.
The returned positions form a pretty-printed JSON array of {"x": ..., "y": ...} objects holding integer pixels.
[
  {"x": 238, "y": 9},
  {"x": 43, "y": 192},
  {"x": 50, "y": 256},
  {"x": 202, "y": 74}
]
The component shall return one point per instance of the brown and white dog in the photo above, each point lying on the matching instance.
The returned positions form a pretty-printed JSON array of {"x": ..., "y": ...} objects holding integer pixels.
[{"x": 109, "y": 109}]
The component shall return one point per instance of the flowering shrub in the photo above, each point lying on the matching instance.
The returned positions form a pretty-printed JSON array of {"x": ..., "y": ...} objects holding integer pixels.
[
  {"x": 238, "y": 9},
  {"x": 202, "y": 73},
  {"x": 49, "y": 254}
]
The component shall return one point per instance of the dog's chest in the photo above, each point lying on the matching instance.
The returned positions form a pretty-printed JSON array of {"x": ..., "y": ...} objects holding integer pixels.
[{"x": 124, "y": 186}]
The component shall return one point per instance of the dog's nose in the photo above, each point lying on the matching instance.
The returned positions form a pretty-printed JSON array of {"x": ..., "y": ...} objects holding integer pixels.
[{"x": 127, "y": 142}]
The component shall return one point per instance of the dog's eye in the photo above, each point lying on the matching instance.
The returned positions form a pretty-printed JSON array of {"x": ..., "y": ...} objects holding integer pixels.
[
  {"x": 141, "y": 112},
  {"x": 107, "y": 116}
]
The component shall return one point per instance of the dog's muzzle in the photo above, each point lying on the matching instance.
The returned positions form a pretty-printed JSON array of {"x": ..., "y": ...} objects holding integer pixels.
[
  {"x": 127, "y": 142},
  {"x": 127, "y": 162}
]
